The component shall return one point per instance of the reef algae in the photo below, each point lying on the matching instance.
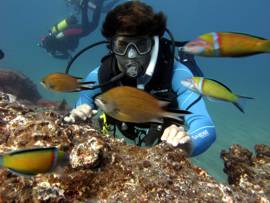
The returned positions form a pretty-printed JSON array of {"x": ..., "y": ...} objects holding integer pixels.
[{"x": 104, "y": 169}]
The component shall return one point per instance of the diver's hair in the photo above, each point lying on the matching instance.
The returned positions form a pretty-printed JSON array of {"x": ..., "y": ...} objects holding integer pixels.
[{"x": 134, "y": 18}]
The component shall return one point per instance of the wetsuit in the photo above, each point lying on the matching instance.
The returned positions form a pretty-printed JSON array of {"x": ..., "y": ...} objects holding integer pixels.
[{"x": 199, "y": 124}]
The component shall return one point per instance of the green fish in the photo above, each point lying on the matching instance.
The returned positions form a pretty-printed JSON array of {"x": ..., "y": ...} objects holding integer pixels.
[
  {"x": 29, "y": 162},
  {"x": 214, "y": 90}
]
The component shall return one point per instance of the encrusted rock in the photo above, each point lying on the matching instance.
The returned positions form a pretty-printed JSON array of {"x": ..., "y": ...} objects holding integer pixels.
[
  {"x": 18, "y": 84},
  {"x": 87, "y": 154},
  {"x": 103, "y": 169},
  {"x": 250, "y": 174},
  {"x": 46, "y": 191}
]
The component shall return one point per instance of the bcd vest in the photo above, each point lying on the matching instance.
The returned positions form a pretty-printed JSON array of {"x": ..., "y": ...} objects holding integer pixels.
[{"x": 159, "y": 86}]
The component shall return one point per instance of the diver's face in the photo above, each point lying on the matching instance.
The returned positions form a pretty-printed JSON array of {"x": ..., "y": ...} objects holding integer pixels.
[{"x": 133, "y": 54}]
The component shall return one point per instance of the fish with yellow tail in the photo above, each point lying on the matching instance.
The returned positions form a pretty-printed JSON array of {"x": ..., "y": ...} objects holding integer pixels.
[
  {"x": 129, "y": 104},
  {"x": 30, "y": 162},
  {"x": 61, "y": 82},
  {"x": 227, "y": 44},
  {"x": 214, "y": 90}
]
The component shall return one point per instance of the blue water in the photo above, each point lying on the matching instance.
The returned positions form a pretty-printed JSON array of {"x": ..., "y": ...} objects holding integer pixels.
[{"x": 24, "y": 22}]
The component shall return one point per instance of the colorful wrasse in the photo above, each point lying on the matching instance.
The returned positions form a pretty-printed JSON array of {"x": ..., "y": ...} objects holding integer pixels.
[
  {"x": 30, "y": 162},
  {"x": 227, "y": 44},
  {"x": 215, "y": 90},
  {"x": 62, "y": 82},
  {"x": 130, "y": 104}
]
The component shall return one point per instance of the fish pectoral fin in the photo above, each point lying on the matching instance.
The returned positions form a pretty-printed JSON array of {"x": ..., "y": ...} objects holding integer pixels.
[
  {"x": 81, "y": 88},
  {"x": 212, "y": 99},
  {"x": 27, "y": 174}
]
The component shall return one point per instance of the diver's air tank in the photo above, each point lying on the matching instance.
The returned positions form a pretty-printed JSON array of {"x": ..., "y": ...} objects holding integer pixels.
[{"x": 62, "y": 25}]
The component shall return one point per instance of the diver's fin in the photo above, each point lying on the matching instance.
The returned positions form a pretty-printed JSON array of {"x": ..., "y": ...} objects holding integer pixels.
[
  {"x": 21, "y": 173},
  {"x": 241, "y": 102}
]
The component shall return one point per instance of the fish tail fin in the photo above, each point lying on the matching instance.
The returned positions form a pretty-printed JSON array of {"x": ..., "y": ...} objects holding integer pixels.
[
  {"x": 176, "y": 114},
  {"x": 241, "y": 102}
]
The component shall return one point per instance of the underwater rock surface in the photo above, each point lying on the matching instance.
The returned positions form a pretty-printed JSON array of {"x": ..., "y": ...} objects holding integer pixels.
[
  {"x": 103, "y": 169},
  {"x": 18, "y": 84}
]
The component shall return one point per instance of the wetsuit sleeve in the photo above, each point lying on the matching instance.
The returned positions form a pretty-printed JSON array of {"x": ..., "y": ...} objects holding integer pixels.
[
  {"x": 87, "y": 96},
  {"x": 199, "y": 125}
]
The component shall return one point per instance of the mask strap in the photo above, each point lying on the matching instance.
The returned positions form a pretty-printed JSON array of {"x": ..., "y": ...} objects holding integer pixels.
[{"x": 143, "y": 80}]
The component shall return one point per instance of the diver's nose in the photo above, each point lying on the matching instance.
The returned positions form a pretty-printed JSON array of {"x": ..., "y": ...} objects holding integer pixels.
[{"x": 132, "y": 53}]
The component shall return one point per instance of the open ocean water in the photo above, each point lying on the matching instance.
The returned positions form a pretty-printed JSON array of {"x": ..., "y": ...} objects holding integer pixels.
[{"x": 24, "y": 22}]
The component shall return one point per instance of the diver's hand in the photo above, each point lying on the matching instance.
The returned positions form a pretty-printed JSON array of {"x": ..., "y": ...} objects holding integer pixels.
[
  {"x": 175, "y": 135},
  {"x": 82, "y": 112}
]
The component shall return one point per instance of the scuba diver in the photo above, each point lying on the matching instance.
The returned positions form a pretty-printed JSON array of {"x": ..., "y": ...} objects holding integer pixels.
[
  {"x": 64, "y": 36},
  {"x": 140, "y": 56},
  {"x": 2, "y": 55}
]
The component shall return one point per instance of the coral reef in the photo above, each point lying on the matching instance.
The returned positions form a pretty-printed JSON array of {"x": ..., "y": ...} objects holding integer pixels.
[{"x": 103, "y": 169}]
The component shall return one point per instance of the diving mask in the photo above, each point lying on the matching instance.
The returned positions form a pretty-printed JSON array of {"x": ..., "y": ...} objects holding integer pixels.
[{"x": 120, "y": 44}]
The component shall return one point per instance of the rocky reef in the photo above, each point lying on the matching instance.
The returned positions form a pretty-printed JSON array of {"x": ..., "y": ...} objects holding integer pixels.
[
  {"x": 103, "y": 169},
  {"x": 19, "y": 85}
]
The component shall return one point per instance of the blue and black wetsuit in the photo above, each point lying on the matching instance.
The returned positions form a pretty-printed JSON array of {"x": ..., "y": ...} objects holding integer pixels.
[{"x": 199, "y": 125}]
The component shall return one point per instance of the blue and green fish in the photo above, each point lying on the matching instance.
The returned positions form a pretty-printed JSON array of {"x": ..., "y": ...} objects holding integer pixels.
[{"x": 30, "y": 162}]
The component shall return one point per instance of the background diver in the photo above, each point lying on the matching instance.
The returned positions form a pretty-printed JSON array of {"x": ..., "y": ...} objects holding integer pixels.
[{"x": 64, "y": 36}]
